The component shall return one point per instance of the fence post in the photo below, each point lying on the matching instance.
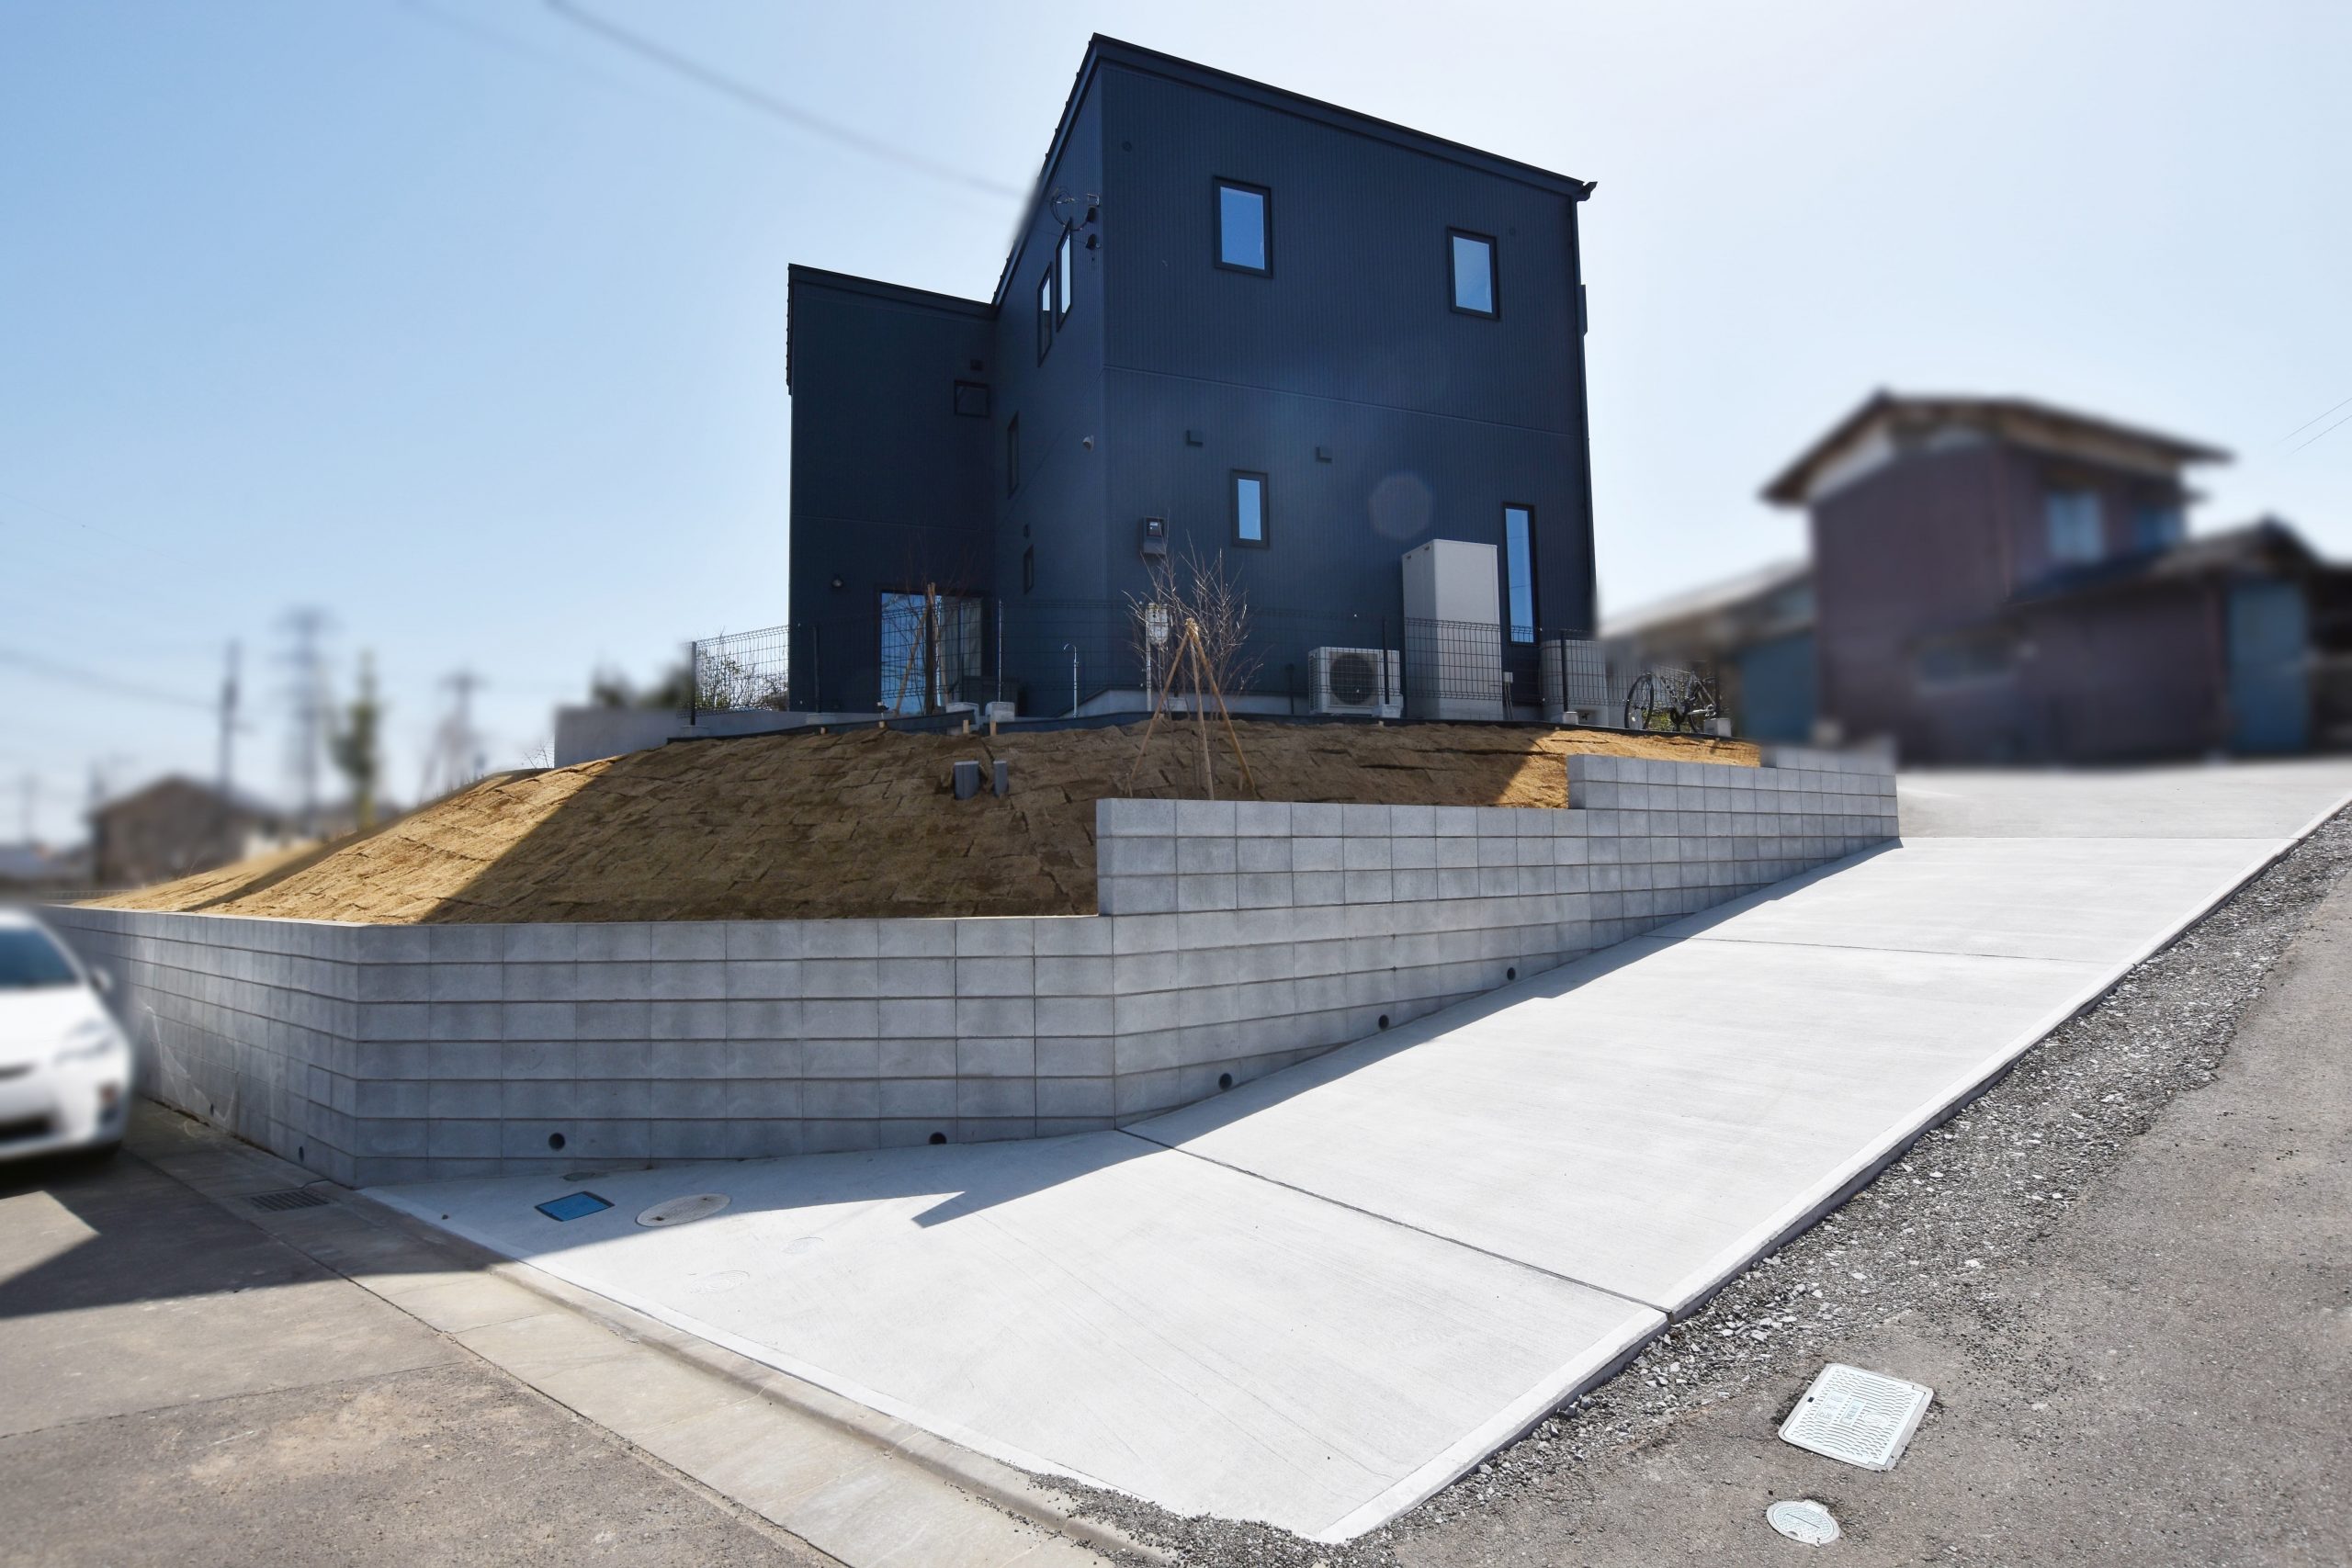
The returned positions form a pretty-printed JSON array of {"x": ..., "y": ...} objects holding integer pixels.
[
  {"x": 1000, "y": 647},
  {"x": 694, "y": 680}
]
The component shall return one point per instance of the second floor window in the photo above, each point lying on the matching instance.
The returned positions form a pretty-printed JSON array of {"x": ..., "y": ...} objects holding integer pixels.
[
  {"x": 1045, "y": 314},
  {"x": 1244, "y": 228},
  {"x": 1473, "y": 258},
  {"x": 1249, "y": 509},
  {"x": 1519, "y": 571},
  {"x": 2158, "y": 525},
  {"x": 2071, "y": 518},
  {"x": 1063, "y": 257}
]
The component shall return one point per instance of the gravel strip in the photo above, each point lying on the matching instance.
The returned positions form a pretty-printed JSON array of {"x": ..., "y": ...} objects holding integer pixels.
[{"x": 1933, "y": 1231}]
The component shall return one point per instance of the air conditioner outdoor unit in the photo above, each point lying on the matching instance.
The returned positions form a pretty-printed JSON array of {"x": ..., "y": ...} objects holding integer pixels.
[
  {"x": 1574, "y": 676},
  {"x": 1366, "y": 681}
]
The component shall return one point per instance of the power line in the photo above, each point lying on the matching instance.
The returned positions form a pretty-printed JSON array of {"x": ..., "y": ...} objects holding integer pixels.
[
  {"x": 2325, "y": 433},
  {"x": 33, "y": 663},
  {"x": 768, "y": 104},
  {"x": 2346, "y": 403}
]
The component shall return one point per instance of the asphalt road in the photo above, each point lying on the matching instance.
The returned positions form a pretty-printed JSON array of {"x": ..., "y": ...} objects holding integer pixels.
[
  {"x": 2159, "y": 1379},
  {"x": 178, "y": 1388}
]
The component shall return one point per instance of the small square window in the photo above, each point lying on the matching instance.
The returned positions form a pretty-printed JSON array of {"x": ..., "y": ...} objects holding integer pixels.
[
  {"x": 1062, "y": 269},
  {"x": 972, "y": 398},
  {"x": 1244, "y": 228},
  {"x": 1250, "y": 510},
  {"x": 1012, "y": 454},
  {"x": 1473, "y": 259},
  {"x": 1045, "y": 314},
  {"x": 1028, "y": 568},
  {"x": 2158, "y": 525}
]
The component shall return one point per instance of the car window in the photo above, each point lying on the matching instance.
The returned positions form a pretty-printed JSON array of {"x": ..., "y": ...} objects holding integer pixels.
[{"x": 30, "y": 960}]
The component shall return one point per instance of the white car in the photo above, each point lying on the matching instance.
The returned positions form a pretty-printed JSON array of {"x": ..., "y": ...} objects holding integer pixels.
[{"x": 64, "y": 1063}]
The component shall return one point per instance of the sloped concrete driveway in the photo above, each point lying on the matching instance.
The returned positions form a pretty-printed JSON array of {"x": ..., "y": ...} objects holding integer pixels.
[{"x": 1318, "y": 1298}]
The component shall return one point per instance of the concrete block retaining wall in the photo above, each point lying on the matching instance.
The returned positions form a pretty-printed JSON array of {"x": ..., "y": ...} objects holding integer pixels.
[{"x": 1234, "y": 939}]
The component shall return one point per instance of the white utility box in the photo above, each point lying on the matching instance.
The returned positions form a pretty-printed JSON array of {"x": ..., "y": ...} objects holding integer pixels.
[{"x": 1454, "y": 632}]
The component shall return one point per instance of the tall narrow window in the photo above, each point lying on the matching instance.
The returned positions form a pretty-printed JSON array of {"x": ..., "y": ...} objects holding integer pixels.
[
  {"x": 1028, "y": 568},
  {"x": 1063, "y": 258},
  {"x": 1012, "y": 454},
  {"x": 1519, "y": 571},
  {"x": 2071, "y": 516},
  {"x": 1250, "y": 510},
  {"x": 1473, "y": 258},
  {"x": 1244, "y": 228},
  {"x": 1045, "y": 314}
]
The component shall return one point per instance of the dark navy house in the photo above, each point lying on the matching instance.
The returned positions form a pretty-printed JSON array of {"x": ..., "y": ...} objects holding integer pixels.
[{"x": 1236, "y": 320}]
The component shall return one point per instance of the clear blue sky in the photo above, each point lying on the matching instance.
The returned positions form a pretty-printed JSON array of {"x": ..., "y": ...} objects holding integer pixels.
[{"x": 452, "y": 319}]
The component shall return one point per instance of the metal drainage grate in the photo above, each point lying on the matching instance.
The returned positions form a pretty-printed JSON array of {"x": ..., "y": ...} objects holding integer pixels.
[
  {"x": 1857, "y": 1418},
  {"x": 292, "y": 1198}
]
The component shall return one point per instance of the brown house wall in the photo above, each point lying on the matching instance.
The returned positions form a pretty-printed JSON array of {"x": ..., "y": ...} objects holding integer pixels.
[
  {"x": 1938, "y": 542},
  {"x": 1909, "y": 549}
]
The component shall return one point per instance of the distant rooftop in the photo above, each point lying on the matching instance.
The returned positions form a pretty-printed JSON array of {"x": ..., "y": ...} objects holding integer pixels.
[
  {"x": 1732, "y": 592},
  {"x": 1885, "y": 418}
]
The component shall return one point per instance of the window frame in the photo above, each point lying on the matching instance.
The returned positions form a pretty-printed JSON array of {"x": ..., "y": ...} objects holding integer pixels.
[
  {"x": 1513, "y": 630},
  {"x": 955, "y": 400},
  {"x": 2051, "y": 496},
  {"x": 1028, "y": 568},
  {"x": 1065, "y": 292},
  {"x": 1494, "y": 274},
  {"x": 1218, "y": 185},
  {"x": 1265, "y": 508},
  {"x": 1046, "y": 313},
  {"x": 1012, "y": 454}
]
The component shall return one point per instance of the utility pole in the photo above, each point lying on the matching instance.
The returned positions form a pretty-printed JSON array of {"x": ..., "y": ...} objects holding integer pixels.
[
  {"x": 456, "y": 759},
  {"x": 305, "y": 626},
  {"x": 229, "y": 725}
]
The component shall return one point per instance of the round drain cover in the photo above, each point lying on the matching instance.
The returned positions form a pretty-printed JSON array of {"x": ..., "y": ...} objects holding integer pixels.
[
  {"x": 1804, "y": 1520},
  {"x": 678, "y": 1210}
]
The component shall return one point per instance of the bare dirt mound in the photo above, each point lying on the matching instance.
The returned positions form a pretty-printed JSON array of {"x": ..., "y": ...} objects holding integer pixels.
[{"x": 857, "y": 822}]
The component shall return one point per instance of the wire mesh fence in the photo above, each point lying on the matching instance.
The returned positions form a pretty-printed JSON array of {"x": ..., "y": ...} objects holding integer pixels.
[
  {"x": 744, "y": 670},
  {"x": 926, "y": 653}
]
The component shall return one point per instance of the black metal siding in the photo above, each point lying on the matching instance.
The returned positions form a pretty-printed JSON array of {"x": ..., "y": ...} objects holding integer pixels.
[
  {"x": 1434, "y": 418},
  {"x": 888, "y": 483}
]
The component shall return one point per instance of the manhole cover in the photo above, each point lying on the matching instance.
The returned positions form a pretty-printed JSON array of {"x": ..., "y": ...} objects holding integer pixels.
[
  {"x": 1859, "y": 1418},
  {"x": 806, "y": 1243},
  {"x": 1804, "y": 1520},
  {"x": 715, "y": 1283},
  {"x": 683, "y": 1211},
  {"x": 292, "y": 1198}
]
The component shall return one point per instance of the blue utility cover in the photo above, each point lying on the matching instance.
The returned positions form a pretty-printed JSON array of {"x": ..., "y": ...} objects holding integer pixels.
[{"x": 574, "y": 1206}]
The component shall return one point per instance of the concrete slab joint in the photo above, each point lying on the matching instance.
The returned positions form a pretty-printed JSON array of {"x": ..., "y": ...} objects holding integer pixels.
[{"x": 1235, "y": 938}]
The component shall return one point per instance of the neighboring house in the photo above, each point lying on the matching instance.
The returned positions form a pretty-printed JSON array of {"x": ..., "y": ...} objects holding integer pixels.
[
  {"x": 31, "y": 867},
  {"x": 176, "y": 827},
  {"x": 1752, "y": 634},
  {"x": 1995, "y": 579},
  {"x": 1235, "y": 321}
]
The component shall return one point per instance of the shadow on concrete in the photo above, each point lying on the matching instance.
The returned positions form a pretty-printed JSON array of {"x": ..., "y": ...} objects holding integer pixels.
[{"x": 77, "y": 1233}]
